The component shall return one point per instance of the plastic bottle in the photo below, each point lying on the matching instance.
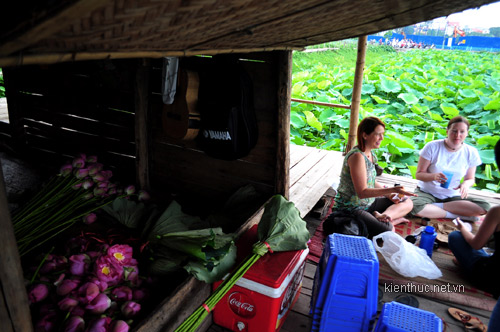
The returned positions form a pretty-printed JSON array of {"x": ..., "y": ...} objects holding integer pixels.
[{"x": 427, "y": 239}]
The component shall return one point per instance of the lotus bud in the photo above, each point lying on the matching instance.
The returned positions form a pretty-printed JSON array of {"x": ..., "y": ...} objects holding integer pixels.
[
  {"x": 95, "y": 168},
  {"x": 102, "y": 285},
  {"x": 131, "y": 273},
  {"x": 139, "y": 294},
  {"x": 100, "y": 304},
  {"x": 66, "y": 286},
  {"x": 99, "y": 325},
  {"x": 99, "y": 192},
  {"x": 74, "y": 324},
  {"x": 119, "y": 326},
  {"x": 122, "y": 293},
  {"x": 107, "y": 174},
  {"x": 78, "y": 162},
  {"x": 130, "y": 190},
  {"x": 38, "y": 293},
  {"x": 87, "y": 184},
  {"x": 130, "y": 308},
  {"x": 67, "y": 304},
  {"x": 89, "y": 218},
  {"x": 81, "y": 173},
  {"x": 77, "y": 186},
  {"x": 88, "y": 196},
  {"x": 66, "y": 170},
  {"x": 112, "y": 191},
  {"x": 88, "y": 292},
  {"x": 103, "y": 184},
  {"x": 98, "y": 177},
  {"x": 91, "y": 159},
  {"x": 47, "y": 323},
  {"x": 78, "y": 264},
  {"x": 144, "y": 196}
]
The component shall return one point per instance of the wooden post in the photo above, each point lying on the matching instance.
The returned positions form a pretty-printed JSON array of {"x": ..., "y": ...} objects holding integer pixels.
[
  {"x": 14, "y": 307},
  {"x": 356, "y": 93},
  {"x": 142, "y": 124},
  {"x": 282, "y": 179}
]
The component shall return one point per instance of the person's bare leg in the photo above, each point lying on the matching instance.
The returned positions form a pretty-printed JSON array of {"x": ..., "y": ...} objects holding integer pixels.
[
  {"x": 464, "y": 208},
  {"x": 431, "y": 211}
]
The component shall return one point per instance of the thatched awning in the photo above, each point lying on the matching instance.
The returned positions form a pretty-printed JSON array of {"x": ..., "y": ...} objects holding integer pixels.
[{"x": 48, "y": 31}]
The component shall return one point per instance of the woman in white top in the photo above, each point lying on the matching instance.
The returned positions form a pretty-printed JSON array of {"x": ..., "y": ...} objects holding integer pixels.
[{"x": 441, "y": 166}]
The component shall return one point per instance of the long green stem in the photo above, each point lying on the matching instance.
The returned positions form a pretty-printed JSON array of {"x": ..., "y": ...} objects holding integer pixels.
[{"x": 197, "y": 317}]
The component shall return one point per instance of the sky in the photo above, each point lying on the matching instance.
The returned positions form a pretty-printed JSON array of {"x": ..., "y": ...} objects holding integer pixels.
[{"x": 486, "y": 16}]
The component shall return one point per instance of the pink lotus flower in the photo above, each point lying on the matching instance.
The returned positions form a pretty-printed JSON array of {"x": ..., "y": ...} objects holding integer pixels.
[
  {"x": 119, "y": 326},
  {"x": 100, "y": 304},
  {"x": 78, "y": 162},
  {"x": 78, "y": 264},
  {"x": 122, "y": 254},
  {"x": 143, "y": 196},
  {"x": 81, "y": 173},
  {"x": 67, "y": 304},
  {"x": 102, "y": 285},
  {"x": 107, "y": 271},
  {"x": 74, "y": 324},
  {"x": 122, "y": 293},
  {"x": 89, "y": 218},
  {"x": 99, "y": 177},
  {"x": 67, "y": 286},
  {"x": 38, "y": 293},
  {"x": 66, "y": 170},
  {"x": 88, "y": 292},
  {"x": 130, "y": 308},
  {"x": 99, "y": 325}
]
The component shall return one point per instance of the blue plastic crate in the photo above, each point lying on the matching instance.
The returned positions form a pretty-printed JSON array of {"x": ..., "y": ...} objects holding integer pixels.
[
  {"x": 345, "y": 287},
  {"x": 397, "y": 317}
]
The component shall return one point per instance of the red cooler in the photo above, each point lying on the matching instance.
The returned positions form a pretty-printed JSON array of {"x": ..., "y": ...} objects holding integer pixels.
[{"x": 261, "y": 300}]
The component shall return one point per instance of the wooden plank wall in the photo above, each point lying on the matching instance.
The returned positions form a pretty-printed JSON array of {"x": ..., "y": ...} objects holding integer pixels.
[
  {"x": 61, "y": 110},
  {"x": 180, "y": 165}
]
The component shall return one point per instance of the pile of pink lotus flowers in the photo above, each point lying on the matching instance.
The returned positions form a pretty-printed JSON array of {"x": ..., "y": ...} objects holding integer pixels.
[{"x": 94, "y": 287}]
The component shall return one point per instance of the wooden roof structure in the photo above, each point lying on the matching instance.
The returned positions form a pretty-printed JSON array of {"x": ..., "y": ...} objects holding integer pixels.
[{"x": 50, "y": 31}]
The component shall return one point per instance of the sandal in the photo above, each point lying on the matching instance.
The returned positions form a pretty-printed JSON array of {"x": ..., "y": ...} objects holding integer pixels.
[{"x": 470, "y": 322}]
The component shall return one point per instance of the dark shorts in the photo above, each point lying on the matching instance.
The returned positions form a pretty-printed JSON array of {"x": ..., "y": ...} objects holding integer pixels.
[
  {"x": 373, "y": 225},
  {"x": 424, "y": 198}
]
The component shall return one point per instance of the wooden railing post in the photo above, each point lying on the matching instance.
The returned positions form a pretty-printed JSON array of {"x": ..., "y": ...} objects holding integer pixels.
[{"x": 356, "y": 92}]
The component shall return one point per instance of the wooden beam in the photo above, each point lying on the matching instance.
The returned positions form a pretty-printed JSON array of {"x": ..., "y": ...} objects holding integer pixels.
[
  {"x": 14, "y": 298},
  {"x": 282, "y": 174},
  {"x": 50, "y": 26},
  {"x": 142, "y": 124},
  {"x": 356, "y": 92},
  {"x": 319, "y": 103},
  {"x": 51, "y": 58}
]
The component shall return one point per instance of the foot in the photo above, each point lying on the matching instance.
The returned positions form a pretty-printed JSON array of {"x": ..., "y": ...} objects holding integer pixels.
[
  {"x": 382, "y": 217},
  {"x": 455, "y": 261},
  {"x": 398, "y": 221}
]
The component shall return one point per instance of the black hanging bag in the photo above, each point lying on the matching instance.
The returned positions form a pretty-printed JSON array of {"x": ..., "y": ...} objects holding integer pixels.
[{"x": 228, "y": 122}]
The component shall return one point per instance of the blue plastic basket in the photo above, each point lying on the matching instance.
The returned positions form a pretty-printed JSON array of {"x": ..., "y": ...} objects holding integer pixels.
[
  {"x": 397, "y": 317},
  {"x": 345, "y": 287}
]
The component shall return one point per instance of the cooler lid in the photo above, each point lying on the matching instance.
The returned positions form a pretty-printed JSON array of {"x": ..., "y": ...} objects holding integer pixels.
[{"x": 272, "y": 268}]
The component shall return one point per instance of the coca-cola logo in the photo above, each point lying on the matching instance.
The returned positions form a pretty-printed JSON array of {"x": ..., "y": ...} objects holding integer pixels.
[{"x": 241, "y": 304}]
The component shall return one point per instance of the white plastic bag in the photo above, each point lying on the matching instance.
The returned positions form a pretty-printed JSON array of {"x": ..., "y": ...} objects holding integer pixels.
[{"x": 406, "y": 258}]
